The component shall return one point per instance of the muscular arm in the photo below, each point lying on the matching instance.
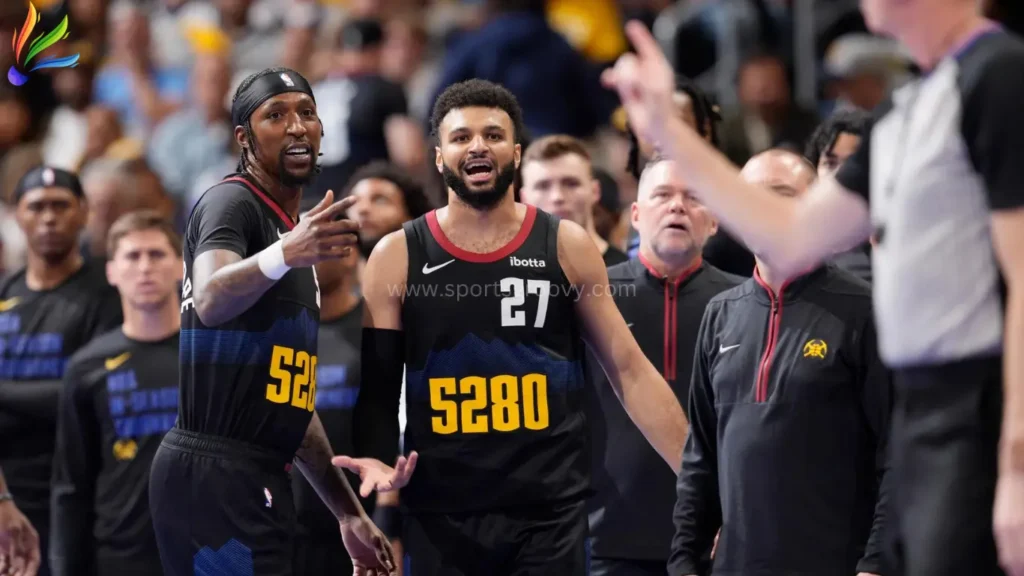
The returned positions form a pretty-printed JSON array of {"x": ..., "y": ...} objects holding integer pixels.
[
  {"x": 375, "y": 417},
  {"x": 790, "y": 236},
  {"x": 644, "y": 394},
  {"x": 1008, "y": 237},
  {"x": 314, "y": 460},
  {"x": 224, "y": 285}
]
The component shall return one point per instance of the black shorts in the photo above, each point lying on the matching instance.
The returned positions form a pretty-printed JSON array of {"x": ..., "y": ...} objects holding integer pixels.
[
  {"x": 221, "y": 507},
  {"x": 945, "y": 437},
  {"x": 531, "y": 541},
  {"x": 320, "y": 556}
]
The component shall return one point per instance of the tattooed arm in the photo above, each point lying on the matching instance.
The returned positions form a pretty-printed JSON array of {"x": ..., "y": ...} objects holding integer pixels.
[{"x": 314, "y": 459}]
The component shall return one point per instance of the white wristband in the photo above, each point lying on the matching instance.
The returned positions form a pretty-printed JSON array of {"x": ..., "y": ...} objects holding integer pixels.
[{"x": 271, "y": 261}]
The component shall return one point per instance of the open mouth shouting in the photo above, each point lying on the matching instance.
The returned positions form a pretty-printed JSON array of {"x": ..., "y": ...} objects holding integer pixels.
[
  {"x": 479, "y": 171},
  {"x": 299, "y": 154}
]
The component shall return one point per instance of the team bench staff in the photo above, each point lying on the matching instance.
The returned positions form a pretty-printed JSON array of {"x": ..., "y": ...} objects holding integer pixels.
[{"x": 220, "y": 491}]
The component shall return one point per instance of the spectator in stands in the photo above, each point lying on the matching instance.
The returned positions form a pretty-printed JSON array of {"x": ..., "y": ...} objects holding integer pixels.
[
  {"x": 365, "y": 115},
  {"x": 832, "y": 143},
  {"x": 608, "y": 210},
  {"x": 404, "y": 61},
  {"x": 130, "y": 83},
  {"x": 198, "y": 136},
  {"x": 114, "y": 187},
  {"x": 864, "y": 69},
  {"x": 767, "y": 116},
  {"x": 558, "y": 89},
  {"x": 64, "y": 142}
]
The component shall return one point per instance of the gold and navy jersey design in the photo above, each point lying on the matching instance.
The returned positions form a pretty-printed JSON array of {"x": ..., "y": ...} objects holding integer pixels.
[
  {"x": 494, "y": 379},
  {"x": 252, "y": 378}
]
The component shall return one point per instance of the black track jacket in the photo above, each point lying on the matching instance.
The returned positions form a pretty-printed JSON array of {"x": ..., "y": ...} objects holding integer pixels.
[{"x": 789, "y": 411}]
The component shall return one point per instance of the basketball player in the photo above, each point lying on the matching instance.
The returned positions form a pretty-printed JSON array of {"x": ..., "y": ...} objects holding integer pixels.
[
  {"x": 494, "y": 297},
  {"x": 220, "y": 491},
  {"x": 938, "y": 182}
]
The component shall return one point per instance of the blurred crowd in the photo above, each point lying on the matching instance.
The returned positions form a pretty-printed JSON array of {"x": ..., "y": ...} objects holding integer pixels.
[{"x": 143, "y": 116}]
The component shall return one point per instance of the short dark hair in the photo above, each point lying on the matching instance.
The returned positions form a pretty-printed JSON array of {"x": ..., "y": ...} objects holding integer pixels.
[
  {"x": 139, "y": 221},
  {"x": 849, "y": 121},
  {"x": 477, "y": 93},
  {"x": 705, "y": 112},
  {"x": 416, "y": 203}
]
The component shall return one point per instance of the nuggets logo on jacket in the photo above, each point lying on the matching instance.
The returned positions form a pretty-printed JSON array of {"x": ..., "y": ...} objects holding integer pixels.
[{"x": 815, "y": 349}]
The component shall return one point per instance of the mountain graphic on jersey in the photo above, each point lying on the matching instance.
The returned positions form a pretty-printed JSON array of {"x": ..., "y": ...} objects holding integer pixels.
[
  {"x": 233, "y": 347},
  {"x": 232, "y": 559},
  {"x": 474, "y": 356}
]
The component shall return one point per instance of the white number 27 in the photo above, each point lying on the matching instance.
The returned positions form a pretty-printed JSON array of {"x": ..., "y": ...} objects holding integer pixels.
[{"x": 512, "y": 317}]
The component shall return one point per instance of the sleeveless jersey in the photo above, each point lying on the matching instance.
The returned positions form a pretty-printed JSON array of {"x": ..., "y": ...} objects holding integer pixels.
[
  {"x": 494, "y": 378},
  {"x": 252, "y": 378}
]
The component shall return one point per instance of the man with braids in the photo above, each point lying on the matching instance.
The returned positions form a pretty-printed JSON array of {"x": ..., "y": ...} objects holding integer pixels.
[
  {"x": 495, "y": 391},
  {"x": 220, "y": 491}
]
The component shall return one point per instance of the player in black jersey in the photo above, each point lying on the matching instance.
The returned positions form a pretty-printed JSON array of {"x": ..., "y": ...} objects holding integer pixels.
[
  {"x": 48, "y": 310},
  {"x": 337, "y": 386},
  {"x": 220, "y": 489},
  {"x": 19, "y": 541},
  {"x": 485, "y": 302},
  {"x": 120, "y": 396}
]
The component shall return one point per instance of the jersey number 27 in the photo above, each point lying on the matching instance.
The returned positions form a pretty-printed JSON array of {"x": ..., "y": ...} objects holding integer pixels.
[{"x": 518, "y": 288}]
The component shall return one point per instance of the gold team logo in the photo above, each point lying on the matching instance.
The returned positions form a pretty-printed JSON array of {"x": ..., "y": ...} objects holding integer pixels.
[
  {"x": 6, "y": 305},
  {"x": 815, "y": 349},
  {"x": 114, "y": 363},
  {"x": 125, "y": 449}
]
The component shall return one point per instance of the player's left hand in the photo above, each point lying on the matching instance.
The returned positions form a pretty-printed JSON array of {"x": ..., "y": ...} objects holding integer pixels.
[
  {"x": 19, "y": 543},
  {"x": 370, "y": 551},
  {"x": 376, "y": 475},
  {"x": 1008, "y": 522}
]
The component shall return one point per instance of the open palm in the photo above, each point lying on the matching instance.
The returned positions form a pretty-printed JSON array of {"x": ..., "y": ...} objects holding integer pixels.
[{"x": 376, "y": 475}]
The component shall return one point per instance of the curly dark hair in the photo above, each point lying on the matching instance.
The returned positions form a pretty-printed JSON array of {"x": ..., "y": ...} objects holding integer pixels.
[
  {"x": 242, "y": 87},
  {"x": 849, "y": 121},
  {"x": 477, "y": 93},
  {"x": 416, "y": 203},
  {"x": 705, "y": 112}
]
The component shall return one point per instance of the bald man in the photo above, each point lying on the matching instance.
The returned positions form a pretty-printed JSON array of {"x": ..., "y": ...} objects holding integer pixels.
[{"x": 789, "y": 409}]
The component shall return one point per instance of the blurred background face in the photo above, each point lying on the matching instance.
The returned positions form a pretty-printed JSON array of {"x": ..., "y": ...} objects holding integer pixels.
[
  {"x": 146, "y": 269},
  {"x": 51, "y": 219},
  {"x": 844, "y": 147},
  {"x": 562, "y": 186},
  {"x": 763, "y": 88},
  {"x": 74, "y": 86},
  {"x": 669, "y": 219},
  {"x": 104, "y": 128},
  {"x": 87, "y": 13},
  {"x": 108, "y": 198},
  {"x": 211, "y": 77},
  {"x": 14, "y": 122},
  {"x": 403, "y": 50},
  {"x": 380, "y": 209},
  {"x": 129, "y": 34}
]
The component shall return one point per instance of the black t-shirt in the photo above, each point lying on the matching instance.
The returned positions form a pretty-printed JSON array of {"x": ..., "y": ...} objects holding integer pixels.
[
  {"x": 120, "y": 396},
  {"x": 613, "y": 256},
  {"x": 337, "y": 379},
  {"x": 39, "y": 331},
  {"x": 354, "y": 111},
  {"x": 252, "y": 378}
]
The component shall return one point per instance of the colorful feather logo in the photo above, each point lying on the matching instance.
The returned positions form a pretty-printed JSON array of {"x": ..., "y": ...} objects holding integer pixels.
[{"x": 40, "y": 43}]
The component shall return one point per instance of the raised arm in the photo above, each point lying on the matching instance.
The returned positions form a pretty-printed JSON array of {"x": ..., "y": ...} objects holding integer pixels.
[
  {"x": 227, "y": 281},
  {"x": 790, "y": 236},
  {"x": 644, "y": 394}
]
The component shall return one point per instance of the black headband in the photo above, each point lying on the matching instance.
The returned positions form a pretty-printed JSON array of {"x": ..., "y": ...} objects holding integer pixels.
[
  {"x": 264, "y": 88},
  {"x": 47, "y": 177}
]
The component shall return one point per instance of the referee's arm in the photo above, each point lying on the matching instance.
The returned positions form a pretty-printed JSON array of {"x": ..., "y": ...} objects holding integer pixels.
[{"x": 76, "y": 465}]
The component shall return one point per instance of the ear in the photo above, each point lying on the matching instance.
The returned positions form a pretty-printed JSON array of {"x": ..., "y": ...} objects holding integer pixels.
[
  {"x": 712, "y": 226},
  {"x": 241, "y": 138},
  {"x": 438, "y": 159},
  {"x": 517, "y": 154},
  {"x": 595, "y": 194},
  {"x": 634, "y": 216},
  {"x": 111, "y": 273}
]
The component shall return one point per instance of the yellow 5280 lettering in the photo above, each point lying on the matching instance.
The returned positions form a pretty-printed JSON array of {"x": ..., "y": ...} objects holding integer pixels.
[
  {"x": 501, "y": 404},
  {"x": 295, "y": 375}
]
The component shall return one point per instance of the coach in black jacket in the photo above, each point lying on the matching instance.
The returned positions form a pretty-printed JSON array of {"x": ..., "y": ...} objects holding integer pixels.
[
  {"x": 662, "y": 294},
  {"x": 789, "y": 409}
]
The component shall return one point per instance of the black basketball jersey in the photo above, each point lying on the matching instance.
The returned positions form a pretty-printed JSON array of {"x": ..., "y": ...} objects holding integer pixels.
[
  {"x": 494, "y": 379},
  {"x": 252, "y": 378}
]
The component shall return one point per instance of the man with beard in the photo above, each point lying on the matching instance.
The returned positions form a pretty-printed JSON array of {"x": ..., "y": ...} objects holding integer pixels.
[
  {"x": 48, "y": 310},
  {"x": 386, "y": 197},
  {"x": 496, "y": 299},
  {"x": 120, "y": 396},
  {"x": 220, "y": 491}
]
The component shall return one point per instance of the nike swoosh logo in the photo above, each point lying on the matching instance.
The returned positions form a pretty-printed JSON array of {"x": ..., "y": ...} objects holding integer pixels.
[
  {"x": 6, "y": 305},
  {"x": 428, "y": 269},
  {"x": 280, "y": 234},
  {"x": 722, "y": 349},
  {"x": 116, "y": 362},
  {"x": 630, "y": 325}
]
